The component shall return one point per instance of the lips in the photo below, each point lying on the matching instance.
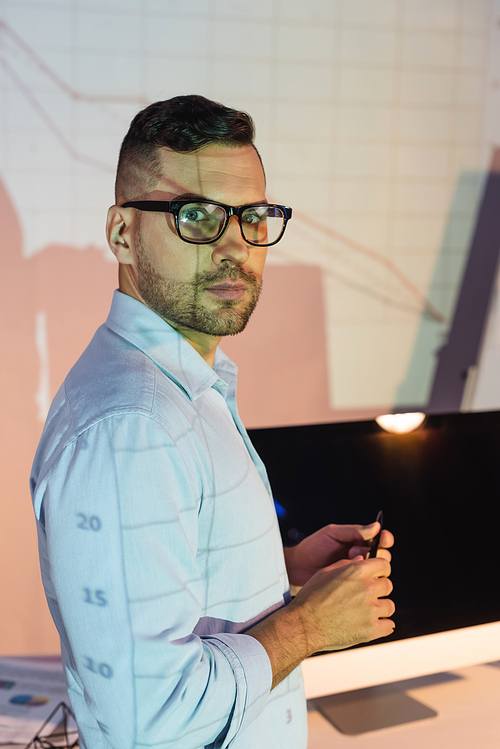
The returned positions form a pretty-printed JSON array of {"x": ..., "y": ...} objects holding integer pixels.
[{"x": 228, "y": 290}]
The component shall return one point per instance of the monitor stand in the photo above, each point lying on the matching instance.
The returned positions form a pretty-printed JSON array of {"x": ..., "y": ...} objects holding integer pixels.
[{"x": 373, "y": 708}]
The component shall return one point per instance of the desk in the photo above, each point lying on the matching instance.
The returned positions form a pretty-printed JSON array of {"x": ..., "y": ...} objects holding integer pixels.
[{"x": 467, "y": 702}]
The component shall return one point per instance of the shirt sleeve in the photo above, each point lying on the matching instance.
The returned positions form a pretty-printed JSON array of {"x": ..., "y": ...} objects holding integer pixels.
[{"x": 118, "y": 517}]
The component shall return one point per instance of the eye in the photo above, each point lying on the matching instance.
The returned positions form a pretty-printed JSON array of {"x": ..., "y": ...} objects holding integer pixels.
[
  {"x": 193, "y": 213},
  {"x": 252, "y": 218},
  {"x": 255, "y": 215}
]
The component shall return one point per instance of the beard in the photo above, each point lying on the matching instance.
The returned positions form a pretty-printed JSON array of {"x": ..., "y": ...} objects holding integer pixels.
[{"x": 183, "y": 303}]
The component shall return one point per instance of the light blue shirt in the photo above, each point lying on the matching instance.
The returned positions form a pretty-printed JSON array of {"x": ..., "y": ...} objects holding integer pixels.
[{"x": 158, "y": 546}]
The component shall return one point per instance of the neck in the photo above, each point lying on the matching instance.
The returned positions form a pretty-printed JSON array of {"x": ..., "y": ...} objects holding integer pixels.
[{"x": 205, "y": 345}]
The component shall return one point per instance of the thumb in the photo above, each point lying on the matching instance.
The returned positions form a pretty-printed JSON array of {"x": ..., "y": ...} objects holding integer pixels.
[{"x": 347, "y": 534}]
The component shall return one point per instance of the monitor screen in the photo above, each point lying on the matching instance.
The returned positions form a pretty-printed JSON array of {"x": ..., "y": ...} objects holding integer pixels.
[{"x": 439, "y": 489}]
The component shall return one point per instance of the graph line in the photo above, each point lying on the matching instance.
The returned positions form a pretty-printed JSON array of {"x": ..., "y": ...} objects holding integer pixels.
[
  {"x": 376, "y": 257},
  {"x": 51, "y": 124},
  {"x": 71, "y": 92}
]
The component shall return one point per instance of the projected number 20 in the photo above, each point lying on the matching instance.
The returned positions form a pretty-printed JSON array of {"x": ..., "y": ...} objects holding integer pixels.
[{"x": 89, "y": 523}]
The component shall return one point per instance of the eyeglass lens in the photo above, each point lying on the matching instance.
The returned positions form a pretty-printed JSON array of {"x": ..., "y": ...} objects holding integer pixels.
[{"x": 202, "y": 222}]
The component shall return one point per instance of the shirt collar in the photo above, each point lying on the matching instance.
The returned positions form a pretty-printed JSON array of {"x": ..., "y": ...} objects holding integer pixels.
[{"x": 167, "y": 348}]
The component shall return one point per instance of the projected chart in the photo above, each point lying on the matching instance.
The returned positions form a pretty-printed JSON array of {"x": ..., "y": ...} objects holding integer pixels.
[
  {"x": 380, "y": 148},
  {"x": 29, "y": 700},
  {"x": 29, "y": 693}
]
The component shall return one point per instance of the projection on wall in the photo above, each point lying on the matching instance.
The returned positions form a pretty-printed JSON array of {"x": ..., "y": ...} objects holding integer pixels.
[{"x": 377, "y": 122}]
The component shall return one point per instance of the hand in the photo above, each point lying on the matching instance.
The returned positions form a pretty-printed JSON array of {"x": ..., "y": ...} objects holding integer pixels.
[
  {"x": 345, "y": 604},
  {"x": 329, "y": 545}
]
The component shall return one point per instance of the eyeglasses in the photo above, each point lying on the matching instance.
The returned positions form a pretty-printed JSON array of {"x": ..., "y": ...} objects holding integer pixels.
[{"x": 204, "y": 221}]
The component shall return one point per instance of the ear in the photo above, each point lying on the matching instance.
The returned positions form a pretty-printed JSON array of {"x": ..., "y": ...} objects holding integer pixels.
[{"x": 119, "y": 233}]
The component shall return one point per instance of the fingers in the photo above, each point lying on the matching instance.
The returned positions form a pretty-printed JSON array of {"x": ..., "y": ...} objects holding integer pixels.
[
  {"x": 383, "y": 587},
  {"x": 386, "y": 608},
  {"x": 363, "y": 551},
  {"x": 347, "y": 603},
  {"x": 358, "y": 534},
  {"x": 347, "y": 534},
  {"x": 385, "y": 625},
  {"x": 385, "y": 628},
  {"x": 368, "y": 532},
  {"x": 378, "y": 567},
  {"x": 386, "y": 542}
]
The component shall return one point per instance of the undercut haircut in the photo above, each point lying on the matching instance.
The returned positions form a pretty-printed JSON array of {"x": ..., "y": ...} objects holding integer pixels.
[{"x": 184, "y": 124}]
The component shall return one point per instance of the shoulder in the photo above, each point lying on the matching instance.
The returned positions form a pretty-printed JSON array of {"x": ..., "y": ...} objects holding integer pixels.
[
  {"x": 113, "y": 381},
  {"x": 112, "y": 376}
]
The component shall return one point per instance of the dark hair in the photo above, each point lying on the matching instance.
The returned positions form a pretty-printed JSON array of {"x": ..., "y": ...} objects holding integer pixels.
[{"x": 184, "y": 124}]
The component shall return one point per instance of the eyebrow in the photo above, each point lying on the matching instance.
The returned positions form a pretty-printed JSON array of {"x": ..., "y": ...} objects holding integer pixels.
[
  {"x": 190, "y": 196},
  {"x": 195, "y": 196}
]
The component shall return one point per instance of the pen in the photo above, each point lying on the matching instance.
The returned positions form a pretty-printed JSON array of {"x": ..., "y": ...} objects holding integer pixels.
[{"x": 376, "y": 540}]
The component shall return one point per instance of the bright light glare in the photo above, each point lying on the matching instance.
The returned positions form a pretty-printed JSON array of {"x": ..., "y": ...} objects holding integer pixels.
[{"x": 400, "y": 423}]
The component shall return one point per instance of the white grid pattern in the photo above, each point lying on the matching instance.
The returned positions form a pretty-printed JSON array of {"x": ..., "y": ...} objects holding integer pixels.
[{"x": 373, "y": 117}]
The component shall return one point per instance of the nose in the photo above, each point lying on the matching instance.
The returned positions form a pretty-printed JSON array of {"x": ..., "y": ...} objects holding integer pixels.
[{"x": 231, "y": 247}]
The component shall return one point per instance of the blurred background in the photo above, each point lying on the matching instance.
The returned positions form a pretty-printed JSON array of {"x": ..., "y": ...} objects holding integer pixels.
[{"x": 378, "y": 121}]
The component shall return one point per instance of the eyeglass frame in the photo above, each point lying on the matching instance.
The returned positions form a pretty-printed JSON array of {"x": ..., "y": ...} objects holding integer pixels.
[{"x": 174, "y": 206}]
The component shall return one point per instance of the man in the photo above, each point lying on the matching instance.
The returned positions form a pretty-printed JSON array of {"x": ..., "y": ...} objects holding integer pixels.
[{"x": 159, "y": 545}]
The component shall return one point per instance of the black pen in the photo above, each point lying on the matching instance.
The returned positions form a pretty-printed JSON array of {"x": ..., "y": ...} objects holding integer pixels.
[{"x": 376, "y": 540}]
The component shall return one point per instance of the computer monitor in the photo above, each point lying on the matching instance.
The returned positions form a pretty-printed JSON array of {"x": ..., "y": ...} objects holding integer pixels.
[{"x": 439, "y": 488}]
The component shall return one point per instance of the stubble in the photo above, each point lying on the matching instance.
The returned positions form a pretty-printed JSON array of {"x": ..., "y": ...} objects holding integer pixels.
[{"x": 184, "y": 304}]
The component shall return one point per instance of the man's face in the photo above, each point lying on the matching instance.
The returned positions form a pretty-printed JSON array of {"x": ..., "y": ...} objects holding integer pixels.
[{"x": 213, "y": 288}]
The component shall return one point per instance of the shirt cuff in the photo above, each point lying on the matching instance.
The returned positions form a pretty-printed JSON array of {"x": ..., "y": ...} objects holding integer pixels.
[{"x": 253, "y": 678}]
